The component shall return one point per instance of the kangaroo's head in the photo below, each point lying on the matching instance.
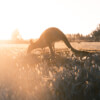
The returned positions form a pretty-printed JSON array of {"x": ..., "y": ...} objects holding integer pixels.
[{"x": 30, "y": 47}]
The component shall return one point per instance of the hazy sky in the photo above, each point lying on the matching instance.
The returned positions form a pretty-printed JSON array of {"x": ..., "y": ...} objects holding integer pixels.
[{"x": 32, "y": 17}]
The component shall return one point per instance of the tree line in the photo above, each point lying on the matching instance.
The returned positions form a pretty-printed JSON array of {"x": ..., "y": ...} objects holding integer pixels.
[{"x": 94, "y": 36}]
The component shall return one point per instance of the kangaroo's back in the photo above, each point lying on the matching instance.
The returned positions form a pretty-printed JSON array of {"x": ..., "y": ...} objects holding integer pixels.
[{"x": 52, "y": 35}]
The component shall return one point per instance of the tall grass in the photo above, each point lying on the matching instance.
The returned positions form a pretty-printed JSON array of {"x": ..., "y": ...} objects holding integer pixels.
[{"x": 38, "y": 77}]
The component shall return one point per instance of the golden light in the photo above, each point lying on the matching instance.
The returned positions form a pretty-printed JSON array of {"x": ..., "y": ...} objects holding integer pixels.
[{"x": 32, "y": 17}]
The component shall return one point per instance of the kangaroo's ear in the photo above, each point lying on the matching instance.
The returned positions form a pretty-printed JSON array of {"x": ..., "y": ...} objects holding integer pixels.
[{"x": 31, "y": 42}]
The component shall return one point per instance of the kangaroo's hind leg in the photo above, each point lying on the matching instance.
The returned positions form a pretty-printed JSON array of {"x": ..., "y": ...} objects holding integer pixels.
[{"x": 51, "y": 49}]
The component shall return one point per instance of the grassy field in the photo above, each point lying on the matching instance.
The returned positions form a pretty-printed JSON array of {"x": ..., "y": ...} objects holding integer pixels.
[{"x": 39, "y": 77}]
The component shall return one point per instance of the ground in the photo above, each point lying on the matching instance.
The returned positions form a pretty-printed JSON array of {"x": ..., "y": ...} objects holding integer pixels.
[{"x": 39, "y": 77}]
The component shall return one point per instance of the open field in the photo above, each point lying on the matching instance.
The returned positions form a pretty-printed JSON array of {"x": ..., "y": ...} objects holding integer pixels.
[
  {"x": 61, "y": 45},
  {"x": 39, "y": 77}
]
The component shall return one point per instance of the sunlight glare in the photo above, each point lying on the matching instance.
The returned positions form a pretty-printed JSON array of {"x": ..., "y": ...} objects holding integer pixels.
[{"x": 32, "y": 17}]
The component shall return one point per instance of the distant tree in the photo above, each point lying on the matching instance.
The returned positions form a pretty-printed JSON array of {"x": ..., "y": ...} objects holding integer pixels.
[
  {"x": 77, "y": 35},
  {"x": 96, "y": 33},
  {"x": 16, "y": 35}
]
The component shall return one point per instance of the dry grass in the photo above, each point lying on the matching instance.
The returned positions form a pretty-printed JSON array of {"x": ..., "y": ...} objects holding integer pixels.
[{"x": 38, "y": 77}]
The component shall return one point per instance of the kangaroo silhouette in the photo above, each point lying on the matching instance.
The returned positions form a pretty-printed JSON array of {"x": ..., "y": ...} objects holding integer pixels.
[{"x": 49, "y": 37}]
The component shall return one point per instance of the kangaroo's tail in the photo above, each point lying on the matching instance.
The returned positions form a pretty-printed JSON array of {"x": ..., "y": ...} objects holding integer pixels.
[
  {"x": 64, "y": 38},
  {"x": 77, "y": 52}
]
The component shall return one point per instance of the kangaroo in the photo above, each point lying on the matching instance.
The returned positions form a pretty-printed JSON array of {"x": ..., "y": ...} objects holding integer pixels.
[{"x": 49, "y": 37}]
